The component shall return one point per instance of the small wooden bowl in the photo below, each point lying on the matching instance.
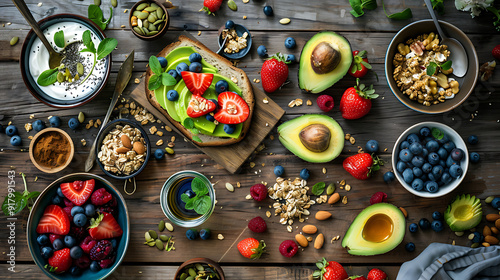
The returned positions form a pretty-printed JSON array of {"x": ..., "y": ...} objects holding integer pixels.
[
  {"x": 161, "y": 32},
  {"x": 210, "y": 262},
  {"x": 45, "y": 168}
]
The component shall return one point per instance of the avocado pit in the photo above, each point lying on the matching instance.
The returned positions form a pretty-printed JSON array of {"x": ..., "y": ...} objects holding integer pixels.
[
  {"x": 324, "y": 58},
  {"x": 315, "y": 137}
]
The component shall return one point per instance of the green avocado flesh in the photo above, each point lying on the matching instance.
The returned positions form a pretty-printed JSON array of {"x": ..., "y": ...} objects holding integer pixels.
[
  {"x": 311, "y": 81},
  {"x": 463, "y": 213},
  {"x": 289, "y": 132},
  {"x": 177, "y": 109},
  {"x": 378, "y": 229}
]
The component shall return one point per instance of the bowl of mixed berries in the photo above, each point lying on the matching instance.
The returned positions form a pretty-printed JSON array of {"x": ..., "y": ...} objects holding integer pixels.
[{"x": 78, "y": 228}]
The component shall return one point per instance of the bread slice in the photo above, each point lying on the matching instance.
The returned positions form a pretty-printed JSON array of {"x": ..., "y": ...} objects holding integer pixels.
[{"x": 226, "y": 69}]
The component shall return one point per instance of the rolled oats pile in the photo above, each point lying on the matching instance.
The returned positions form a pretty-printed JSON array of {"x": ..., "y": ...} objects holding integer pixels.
[
  {"x": 292, "y": 200},
  {"x": 123, "y": 150},
  {"x": 234, "y": 43}
]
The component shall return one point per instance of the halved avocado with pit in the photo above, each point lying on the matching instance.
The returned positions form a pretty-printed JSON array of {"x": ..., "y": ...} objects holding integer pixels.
[
  {"x": 324, "y": 60},
  {"x": 313, "y": 137},
  {"x": 378, "y": 229}
]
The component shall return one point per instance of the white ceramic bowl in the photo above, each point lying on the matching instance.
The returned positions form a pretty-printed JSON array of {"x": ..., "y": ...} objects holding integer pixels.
[{"x": 453, "y": 136}]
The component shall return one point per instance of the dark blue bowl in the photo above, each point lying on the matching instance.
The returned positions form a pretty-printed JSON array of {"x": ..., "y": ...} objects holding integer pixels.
[
  {"x": 44, "y": 200},
  {"x": 240, "y": 29}
]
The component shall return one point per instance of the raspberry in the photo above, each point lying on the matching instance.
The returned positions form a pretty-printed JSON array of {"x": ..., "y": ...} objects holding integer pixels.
[
  {"x": 53, "y": 237},
  {"x": 100, "y": 197},
  {"x": 378, "y": 197},
  {"x": 112, "y": 203},
  {"x": 67, "y": 210},
  {"x": 258, "y": 192},
  {"x": 107, "y": 262},
  {"x": 325, "y": 102},
  {"x": 87, "y": 244},
  {"x": 288, "y": 248},
  {"x": 496, "y": 52},
  {"x": 257, "y": 225},
  {"x": 101, "y": 250},
  {"x": 68, "y": 203},
  {"x": 83, "y": 262}
]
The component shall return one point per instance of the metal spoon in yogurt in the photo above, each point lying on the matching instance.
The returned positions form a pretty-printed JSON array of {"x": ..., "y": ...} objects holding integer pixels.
[{"x": 458, "y": 56}]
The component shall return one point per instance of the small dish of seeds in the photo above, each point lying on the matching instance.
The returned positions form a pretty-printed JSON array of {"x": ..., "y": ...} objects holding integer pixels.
[
  {"x": 199, "y": 268},
  {"x": 149, "y": 20},
  {"x": 238, "y": 42}
]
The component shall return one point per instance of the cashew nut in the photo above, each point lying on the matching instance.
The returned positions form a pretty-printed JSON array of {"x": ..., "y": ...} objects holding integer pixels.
[
  {"x": 447, "y": 72},
  {"x": 429, "y": 38},
  {"x": 454, "y": 87},
  {"x": 403, "y": 49}
]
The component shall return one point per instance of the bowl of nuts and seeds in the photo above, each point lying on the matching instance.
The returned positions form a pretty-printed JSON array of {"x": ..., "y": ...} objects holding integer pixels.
[
  {"x": 123, "y": 149},
  {"x": 201, "y": 268},
  {"x": 419, "y": 72},
  {"x": 238, "y": 42},
  {"x": 149, "y": 20}
]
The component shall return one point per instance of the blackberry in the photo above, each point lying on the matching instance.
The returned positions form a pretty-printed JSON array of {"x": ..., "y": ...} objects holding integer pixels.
[{"x": 101, "y": 250}]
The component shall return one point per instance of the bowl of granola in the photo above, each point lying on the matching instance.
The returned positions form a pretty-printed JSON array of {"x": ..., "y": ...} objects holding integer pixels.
[
  {"x": 419, "y": 72},
  {"x": 123, "y": 149},
  {"x": 238, "y": 43}
]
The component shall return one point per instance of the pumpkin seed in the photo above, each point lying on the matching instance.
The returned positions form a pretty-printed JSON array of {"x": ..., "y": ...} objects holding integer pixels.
[
  {"x": 159, "y": 12},
  {"x": 151, "y": 33},
  {"x": 160, "y": 26},
  {"x": 97, "y": 2},
  {"x": 142, "y": 6},
  {"x": 153, "y": 234},
  {"x": 150, "y": 9},
  {"x": 169, "y": 227},
  {"x": 161, "y": 226},
  {"x": 285, "y": 21},
  {"x": 183, "y": 276},
  {"x": 81, "y": 117},
  {"x": 199, "y": 267},
  {"x": 158, "y": 21},
  {"x": 229, "y": 187},
  {"x": 60, "y": 77},
  {"x": 139, "y": 30},
  {"x": 79, "y": 68},
  {"x": 114, "y": 3},
  {"x": 154, "y": 5},
  {"x": 489, "y": 199},
  {"x": 152, "y": 17},
  {"x": 14, "y": 40},
  {"x": 151, "y": 243},
  {"x": 190, "y": 278},
  {"x": 147, "y": 236},
  {"x": 232, "y": 5},
  {"x": 152, "y": 27},
  {"x": 192, "y": 272},
  {"x": 330, "y": 189},
  {"x": 145, "y": 30},
  {"x": 144, "y": 23},
  {"x": 164, "y": 238},
  {"x": 159, "y": 244},
  {"x": 169, "y": 151},
  {"x": 136, "y": 13},
  {"x": 142, "y": 15}
]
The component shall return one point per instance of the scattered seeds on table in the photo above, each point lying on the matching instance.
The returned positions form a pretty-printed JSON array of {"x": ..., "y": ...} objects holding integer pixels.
[
  {"x": 161, "y": 226},
  {"x": 81, "y": 117},
  {"x": 489, "y": 199},
  {"x": 220, "y": 236},
  {"x": 285, "y": 21},
  {"x": 114, "y": 3},
  {"x": 330, "y": 189},
  {"x": 344, "y": 200},
  {"x": 169, "y": 227},
  {"x": 229, "y": 187},
  {"x": 159, "y": 244},
  {"x": 169, "y": 151},
  {"x": 232, "y": 5},
  {"x": 14, "y": 41},
  {"x": 248, "y": 197},
  {"x": 153, "y": 234}
]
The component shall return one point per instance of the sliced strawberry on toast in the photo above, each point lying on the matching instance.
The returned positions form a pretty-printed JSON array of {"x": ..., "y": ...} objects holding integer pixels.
[
  {"x": 54, "y": 220},
  {"x": 197, "y": 83},
  {"x": 233, "y": 109},
  {"x": 104, "y": 227},
  {"x": 78, "y": 192},
  {"x": 199, "y": 106}
]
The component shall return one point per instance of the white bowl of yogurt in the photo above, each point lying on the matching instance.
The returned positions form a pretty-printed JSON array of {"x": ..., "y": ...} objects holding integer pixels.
[{"x": 71, "y": 92}]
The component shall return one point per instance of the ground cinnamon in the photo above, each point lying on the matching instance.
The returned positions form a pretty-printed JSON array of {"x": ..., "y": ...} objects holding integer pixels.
[{"x": 52, "y": 149}]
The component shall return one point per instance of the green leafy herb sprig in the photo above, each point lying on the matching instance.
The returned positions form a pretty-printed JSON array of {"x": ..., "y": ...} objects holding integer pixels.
[
  {"x": 159, "y": 77},
  {"x": 201, "y": 202},
  {"x": 438, "y": 5},
  {"x": 106, "y": 46},
  {"x": 15, "y": 202},
  {"x": 59, "y": 39},
  {"x": 436, "y": 133},
  {"x": 95, "y": 14},
  {"x": 189, "y": 124},
  {"x": 358, "y": 6},
  {"x": 432, "y": 67},
  {"x": 318, "y": 188}
]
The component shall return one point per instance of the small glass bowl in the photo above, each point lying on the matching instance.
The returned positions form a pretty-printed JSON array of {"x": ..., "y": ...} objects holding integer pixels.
[{"x": 170, "y": 195}]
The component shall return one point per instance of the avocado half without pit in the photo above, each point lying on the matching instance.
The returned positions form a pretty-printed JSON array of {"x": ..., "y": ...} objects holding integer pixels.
[{"x": 313, "y": 137}]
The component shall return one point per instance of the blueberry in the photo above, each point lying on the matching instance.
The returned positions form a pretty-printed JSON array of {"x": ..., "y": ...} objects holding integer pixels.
[
  {"x": 209, "y": 117},
  {"x": 424, "y": 224},
  {"x": 47, "y": 252},
  {"x": 404, "y": 145},
  {"x": 425, "y": 131},
  {"x": 291, "y": 58},
  {"x": 431, "y": 186},
  {"x": 268, "y": 11},
  {"x": 77, "y": 209},
  {"x": 408, "y": 175},
  {"x": 94, "y": 266},
  {"x": 405, "y": 155},
  {"x": 159, "y": 154},
  {"x": 450, "y": 161},
  {"x": 195, "y": 57},
  {"x": 175, "y": 74},
  {"x": 413, "y": 227},
  {"x": 432, "y": 146},
  {"x": 75, "y": 270},
  {"x": 55, "y": 121},
  {"x": 42, "y": 239},
  {"x": 495, "y": 203},
  {"x": 427, "y": 168},
  {"x": 443, "y": 140},
  {"x": 448, "y": 146},
  {"x": 192, "y": 234},
  {"x": 389, "y": 177},
  {"x": 221, "y": 86},
  {"x": 433, "y": 158},
  {"x": 424, "y": 178},
  {"x": 262, "y": 51},
  {"x": 75, "y": 252},
  {"x": 80, "y": 220},
  {"x": 114, "y": 243},
  {"x": 472, "y": 140},
  {"x": 437, "y": 225},
  {"x": 478, "y": 237},
  {"x": 305, "y": 174},
  {"x": 413, "y": 138},
  {"x": 58, "y": 244},
  {"x": 190, "y": 193},
  {"x": 69, "y": 241},
  {"x": 401, "y": 166},
  {"x": 229, "y": 128},
  {"x": 474, "y": 157},
  {"x": 446, "y": 178},
  {"x": 442, "y": 153},
  {"x": 290, "y": 43},
  {"x": 425, "y": 152},
  {"x": 16, "y": 140},
  {"x": 73, "y": 123},
  {"x": 172, "y": 95},
  {"x": 417, "y": 172},
  {"x": 418, "y": 161},
  {"x": 11, "y": 130},
  {"x": 229, "y": 24},
  {"x": 371, "y": 146},
  {"x": 456, "y": 171},
  {"x": 417, "y": 184},
  {"x": 279, "y": 170},
  {"x": 56, "y": 200},
  {"x": 163, "y": 61},
  {"x": 431, "y": 177},
  {"x": 181, "y": 67},
  {"x": 457, "y": 154},
  {"x": 437, "y": 171},
  {"x": 436, "y": 215},
  {"x": 410, "y": 247},
  {"x": 205, "y": 234},
  {"x": 216, "y": 103},
  {"x": 195, "y": 67},
  {"x": 416, "y": 148},
  {"x": 89, "y": 210}
]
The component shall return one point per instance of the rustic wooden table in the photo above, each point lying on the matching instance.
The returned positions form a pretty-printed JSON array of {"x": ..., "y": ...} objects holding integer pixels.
[{"x": 387, "y": 119}]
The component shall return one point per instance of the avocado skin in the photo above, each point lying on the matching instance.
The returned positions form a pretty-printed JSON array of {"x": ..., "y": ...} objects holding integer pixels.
[{"x": 461, "y": 201}]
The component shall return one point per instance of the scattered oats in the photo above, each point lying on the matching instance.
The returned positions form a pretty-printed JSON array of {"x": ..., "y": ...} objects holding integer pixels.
[
  {"x": 263, "y": 164},
  {"x": 238, "y": 184},
  {"x": 122, "y": 26},
  {"x": 144, "y": 122},
  {"x": 10, "y": 122},
  {"x": 234, "y": 79},
  {"x": 324, "y": 170},
  {"x": 84, "y": 143},
  {"x": 347, "y": 187},
  {"x": 385, "y": 150},
  {"x": 28, "y": 127},
  {"x": 309, "y": 102},
  {"x": 98, "y": 122},
  {"x": 88, "y": 126},
  {"x": 298, "y": 102},
  {"x": 32, "y": 116},
  {"x": 309, "y": 238},
  {"x": 244, "y": 17},
  {"x": 344, "y": 200},
  {"x": 96, "y": 125},
  {"x": 159, "y": 133},
  {"x": 159, "y": 142},
  {"x": 153, "y": 129},
  {"x": 30, "y": 137},
  {"x": 168, "y": 128},
  {"x": 172, "y": 139},
  {"x": 220, "y": 236},
  {"x": 341, "y": 187},
  {"x": 252, "y": 164},
  {"x": 40, "y": 4},
  {"x": 36, "y": 178},
  {"x": 199, "y": 33},
  {"x": 291, "y": 104},
  {"x": 248, "y": 197},
  {"x": 137, "y": 80},
  {"x": 347, "y": 136},
  {"x": 352, "y": 140},
  {"x": 171, "y": 144},
  {"x": 289, "y": 228},
  {"x": 268, "y": 214},
  {"x": 265, "y": 100},
  {"x": 342, "y": 182},
  {"x": 125, "y": 11},
  {"x": 257, "y": 81},
  {"x": 229, "y": 187}
]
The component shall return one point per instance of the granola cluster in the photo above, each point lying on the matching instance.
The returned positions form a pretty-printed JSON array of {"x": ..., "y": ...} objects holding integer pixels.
[
  {"x": 234, "y": 43},
  {"x": 292, "y": 200}
]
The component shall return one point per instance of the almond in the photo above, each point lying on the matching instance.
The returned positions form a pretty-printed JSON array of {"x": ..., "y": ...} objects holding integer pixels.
[
  {"x": 497, "y": 224},
  {"x": 334, "y": 198},
  {"x": 404, "y": 211},
  {"x": 322, "y": 215},
  {"x": 139, "y": 148},
  {"x": 309, "y": 229},
  {"x": 126, "y": 141},
  {"x": 486, "y": 244},
  {"x": 301, "y": 240},
  {"x": 492, "y": 217},
  {"x": 491, "y": 239},
  {"x": 486, "y": 231},
  {"x": 122, "y": 150},
  {"x": 318, "y": 242},
  {"x": 495, "y": 230}
]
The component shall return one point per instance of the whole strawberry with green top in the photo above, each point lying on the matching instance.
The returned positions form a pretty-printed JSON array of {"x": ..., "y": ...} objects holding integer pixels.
[
  {"x": 211, "y": 6},
  {"x": 356, "y": 101},
  {"x": 274, "y": 73},
  {"x": 251, "y": 248},
  {"x": 329, "y": 271},
  {"x": 361, "y": 166}
]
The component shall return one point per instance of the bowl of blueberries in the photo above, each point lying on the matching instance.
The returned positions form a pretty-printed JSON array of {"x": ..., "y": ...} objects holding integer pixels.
[{"x": 430, "y": 159}]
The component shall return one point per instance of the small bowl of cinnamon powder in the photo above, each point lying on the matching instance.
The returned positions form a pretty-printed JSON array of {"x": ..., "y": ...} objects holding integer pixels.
[{"x": 51, "y": 150}]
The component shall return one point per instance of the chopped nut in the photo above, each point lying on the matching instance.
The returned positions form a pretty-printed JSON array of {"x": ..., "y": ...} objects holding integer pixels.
[
  {"x": 309, "y": 102},
  {"x": 168, "y": 128},
  {"x": 153, "y": 130},
  {"x": 137, "y": 81},
  {"x": 291, "y": 104},
  {"x": 268, "y": 214},
  {"x": 342, "y": 182},
  {"x": 220, "y": 236},
  {"x": 252, "y": 164},
  {"x": 199, "y": 33},
  {"x": 159, "y": 133},
  {"x": 125, "y": 11},
  {"x": 84, "y": 143},
  {"x": 30, "y": 137},
  {"x": 324, "y": 170},
  {"x": 347, "y": 136},
  {"x": 352, "y": 140},
  {"x": 238, "y": 184},
  {"x": 122, "y": 26},
  {"x": 159, "y": 142},
  {"x": 265, "y": 100},
  {"x": 289, "y": 228},
  {"x": 347, "y": 187},
  {"x": 248, "y": 197},
  {"x": 344, "y": 200},
  {"x": 98, "y": 122},
  {"x": 32, "y": 116},
  {"x": 171, "y": 144},
  {"x": 309, "y": 238},
  {"x": 244, "y": 17},
  {"x": 28, "y": 127},
  {"x": 230, "y": 187}
]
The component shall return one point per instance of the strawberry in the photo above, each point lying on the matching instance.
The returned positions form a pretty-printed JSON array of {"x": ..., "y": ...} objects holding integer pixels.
[
  {"x": 104, "y": 227},
  {"x": 78, "y": 192},
  {"x": 274, "y": 73},
  {"x": 362, "y": 165},
  {"x": 377, "y": 274},
  {"x": 60, "y": 261},
  {"x": 211, "y": 6},
  {"x": 197, "y": 83},
  {"x": 360, "y": 65},
  {"x": 199, "y": 106},
  {"x": 251, "y": 248},
  {"x": 355, "y": 102},
  {"x": 54, "y": 220},
  {"x": 330, "y": 271},
  {"x": 496, "y": 52},
  {"x": 233, "y": 109},
  {"x": 357, "y": 278}
]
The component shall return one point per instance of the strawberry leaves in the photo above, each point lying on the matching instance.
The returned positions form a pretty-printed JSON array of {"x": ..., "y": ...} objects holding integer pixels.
[
  {"x": 201, "y": 202},
  {"x": 365, "y": 92},
  {"x": 321, "y": 265}
]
